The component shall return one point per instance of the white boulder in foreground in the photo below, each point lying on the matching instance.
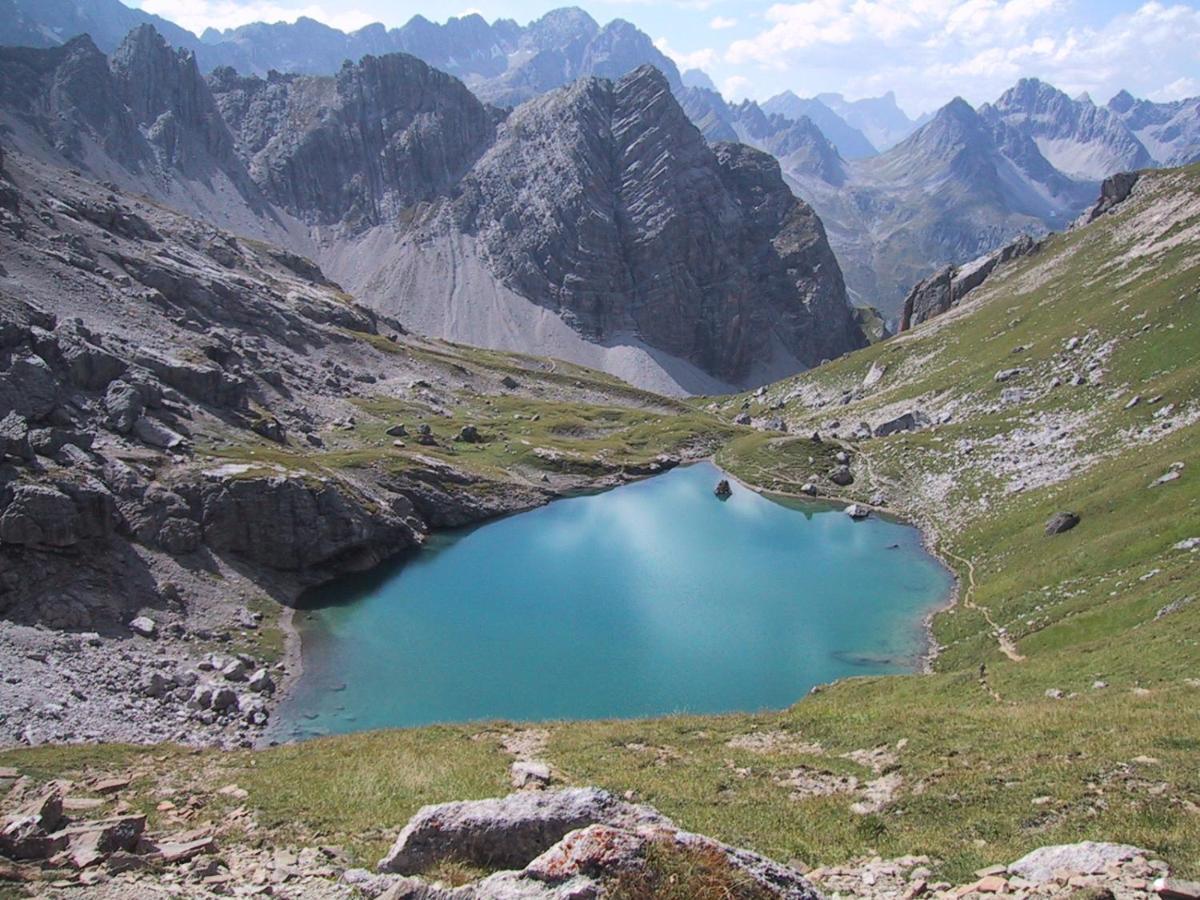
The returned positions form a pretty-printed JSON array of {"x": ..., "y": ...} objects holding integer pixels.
[{"x": 558, "y": 844}]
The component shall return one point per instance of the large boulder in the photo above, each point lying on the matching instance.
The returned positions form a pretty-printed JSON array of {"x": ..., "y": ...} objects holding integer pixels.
[
  {"x": 77, "y": 360},
  {"x": 602, "y": 851},
  {"x": 1061, "y": 521},
  {"x": 291, "y": 524},
  {"x": 124, "y": 404},
  {"x": 205, "y": 384},
  {"x": 909, "y": 421},
  {"x": 26, "y": 833},
  {"x": 1046, "y": 864},
  {"x": 507, "y": 832},
  {"x": 30, "y": 388},
  {"x": 563, "y": 844},
  {"x": 42, "y": 515}
]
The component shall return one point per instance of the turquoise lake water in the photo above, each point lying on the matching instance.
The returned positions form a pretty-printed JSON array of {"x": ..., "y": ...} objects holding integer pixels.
[{"x": 652, "y": 598}]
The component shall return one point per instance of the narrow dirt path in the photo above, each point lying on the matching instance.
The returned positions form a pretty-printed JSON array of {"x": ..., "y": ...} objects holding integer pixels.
[{"x": 967, "y": 600}]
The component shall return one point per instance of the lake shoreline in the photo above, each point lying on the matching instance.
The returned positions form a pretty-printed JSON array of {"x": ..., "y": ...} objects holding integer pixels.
[
  {"x": 911, "y": 662},
  {"x": 929, "y": 542}
]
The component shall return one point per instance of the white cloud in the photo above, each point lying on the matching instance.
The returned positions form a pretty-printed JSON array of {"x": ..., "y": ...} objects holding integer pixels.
[
  {"x": 697, "y": 59},
  {"x": 931, "y": 50},
  {"x": 1179, "y": 89},
  {"x": 720, "y": 23},
  {"x": 736, "y": 87},
  {"x": 197, "y": 15}
]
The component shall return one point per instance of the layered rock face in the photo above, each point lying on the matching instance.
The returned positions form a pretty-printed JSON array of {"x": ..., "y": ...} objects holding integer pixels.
[
  {"x": 359, "y": 148},
  {"x": 604, "y": 202},
  {"x": 67, "y": 96}
]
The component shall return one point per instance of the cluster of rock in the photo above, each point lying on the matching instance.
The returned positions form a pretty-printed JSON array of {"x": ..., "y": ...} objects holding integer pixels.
[
  {"x": 565, "y": 844},
  {"x": 1088, "y": 869},
  {"x": 40, "y": 832},
  {"x": 64, "y": 688},
  {"x": 552, "y": 845}
]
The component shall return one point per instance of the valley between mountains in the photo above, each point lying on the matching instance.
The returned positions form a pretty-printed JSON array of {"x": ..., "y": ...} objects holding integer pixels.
[{"x": 261, "y": 330}]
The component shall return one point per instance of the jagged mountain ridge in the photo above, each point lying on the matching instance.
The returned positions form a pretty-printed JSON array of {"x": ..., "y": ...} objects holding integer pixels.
[
  {"x": 508, "y": 63},
  {"x": 1169, "y": 131},
  {"x": 850, "y": 142},
  {"x": 373, "y": 171},
  {"x": 881, "y": 119},
  {"x": 1080, "y": 139},
  {"x": 960, "y": 186},
  {"x": 503, "y": 62}
]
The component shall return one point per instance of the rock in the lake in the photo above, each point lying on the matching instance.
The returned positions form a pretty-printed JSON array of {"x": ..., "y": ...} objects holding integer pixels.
[
  {"x": 1061, "y": 521},
  {"x": 723, "y": 490},
  {"x": 857, "y": 511}
]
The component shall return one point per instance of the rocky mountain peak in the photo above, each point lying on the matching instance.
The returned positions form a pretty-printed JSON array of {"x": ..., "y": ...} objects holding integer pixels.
[
  {"x": 1078, "y": 138},
  {"x": 620, "y": 47},
  {"x": 697, "y": 78},
  {"x": 360, "y": 147},
  {"x": 954, "y": 127},
  {"x": 561, "y": 27},
  {"x": 653, "y": 236},
  {"x": 164, "y": 91},
  {"x": 1122, "y": 101},
  {"x": 851, "y": 143},
  {"x": 67, "y": 96}
]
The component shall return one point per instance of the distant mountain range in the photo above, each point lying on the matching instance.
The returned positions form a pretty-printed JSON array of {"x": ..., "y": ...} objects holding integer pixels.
[
  {"x": 899, "y": 197},
  {"x": 962, "y": 184},
  {"x": 502, "y": 62},
  {"x": 593, "y": 223}
]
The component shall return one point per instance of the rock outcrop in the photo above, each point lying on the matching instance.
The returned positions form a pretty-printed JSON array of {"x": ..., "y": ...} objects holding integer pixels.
[
  {"x": 1115, "y": 190},
  {"x": 557, "y": 844},
  {"x": 358, "y": 148},
  {"x": 633, "y": 225},
  {"x": 947, "y": 288}
]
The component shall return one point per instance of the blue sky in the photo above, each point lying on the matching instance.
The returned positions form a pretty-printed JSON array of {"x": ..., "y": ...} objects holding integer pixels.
[{"x": 927, "y": 51}]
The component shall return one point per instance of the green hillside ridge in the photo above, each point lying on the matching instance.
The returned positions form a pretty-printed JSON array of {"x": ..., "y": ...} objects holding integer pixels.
[{"x": 1064, "y": 703}]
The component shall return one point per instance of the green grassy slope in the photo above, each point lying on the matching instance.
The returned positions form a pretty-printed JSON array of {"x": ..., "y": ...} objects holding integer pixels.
[{"x": 981, "y": 769}]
